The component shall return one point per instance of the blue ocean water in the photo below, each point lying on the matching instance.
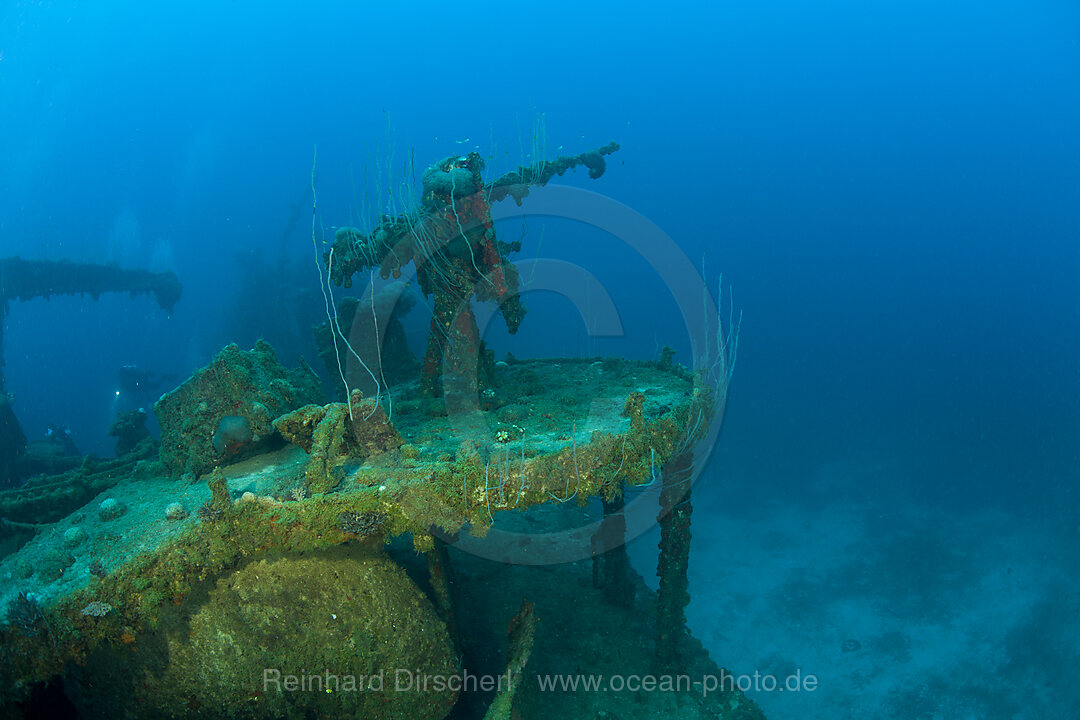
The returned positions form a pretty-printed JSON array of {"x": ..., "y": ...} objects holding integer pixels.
[{"x": 891, "y": 190}]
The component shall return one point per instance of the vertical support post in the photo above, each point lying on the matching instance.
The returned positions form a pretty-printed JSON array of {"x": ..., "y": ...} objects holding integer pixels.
[
  {"x": 441, "y": 579},
  {"x": 461, "y": 361},
  {"x": 611, "y": 564},
  {"x": 12, "y": 438},
  {"x": 3, "y": 317},
  {"x": 452, "y": 358},
  {"x": 674, "y": 517}
]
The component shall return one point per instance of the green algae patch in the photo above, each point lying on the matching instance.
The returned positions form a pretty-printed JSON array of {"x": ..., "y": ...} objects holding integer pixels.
[
  {"x": 580, "y": 429},
  {"x": 333, "y": 634}
]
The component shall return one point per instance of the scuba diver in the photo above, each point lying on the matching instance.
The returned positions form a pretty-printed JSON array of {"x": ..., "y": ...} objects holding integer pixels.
[
  {"x": 137, "y": 388},
  {"x": 60, "y": 436}
]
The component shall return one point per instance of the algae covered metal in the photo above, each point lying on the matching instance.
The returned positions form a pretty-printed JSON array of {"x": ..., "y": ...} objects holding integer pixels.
[{"x": 270, "y": 553}]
